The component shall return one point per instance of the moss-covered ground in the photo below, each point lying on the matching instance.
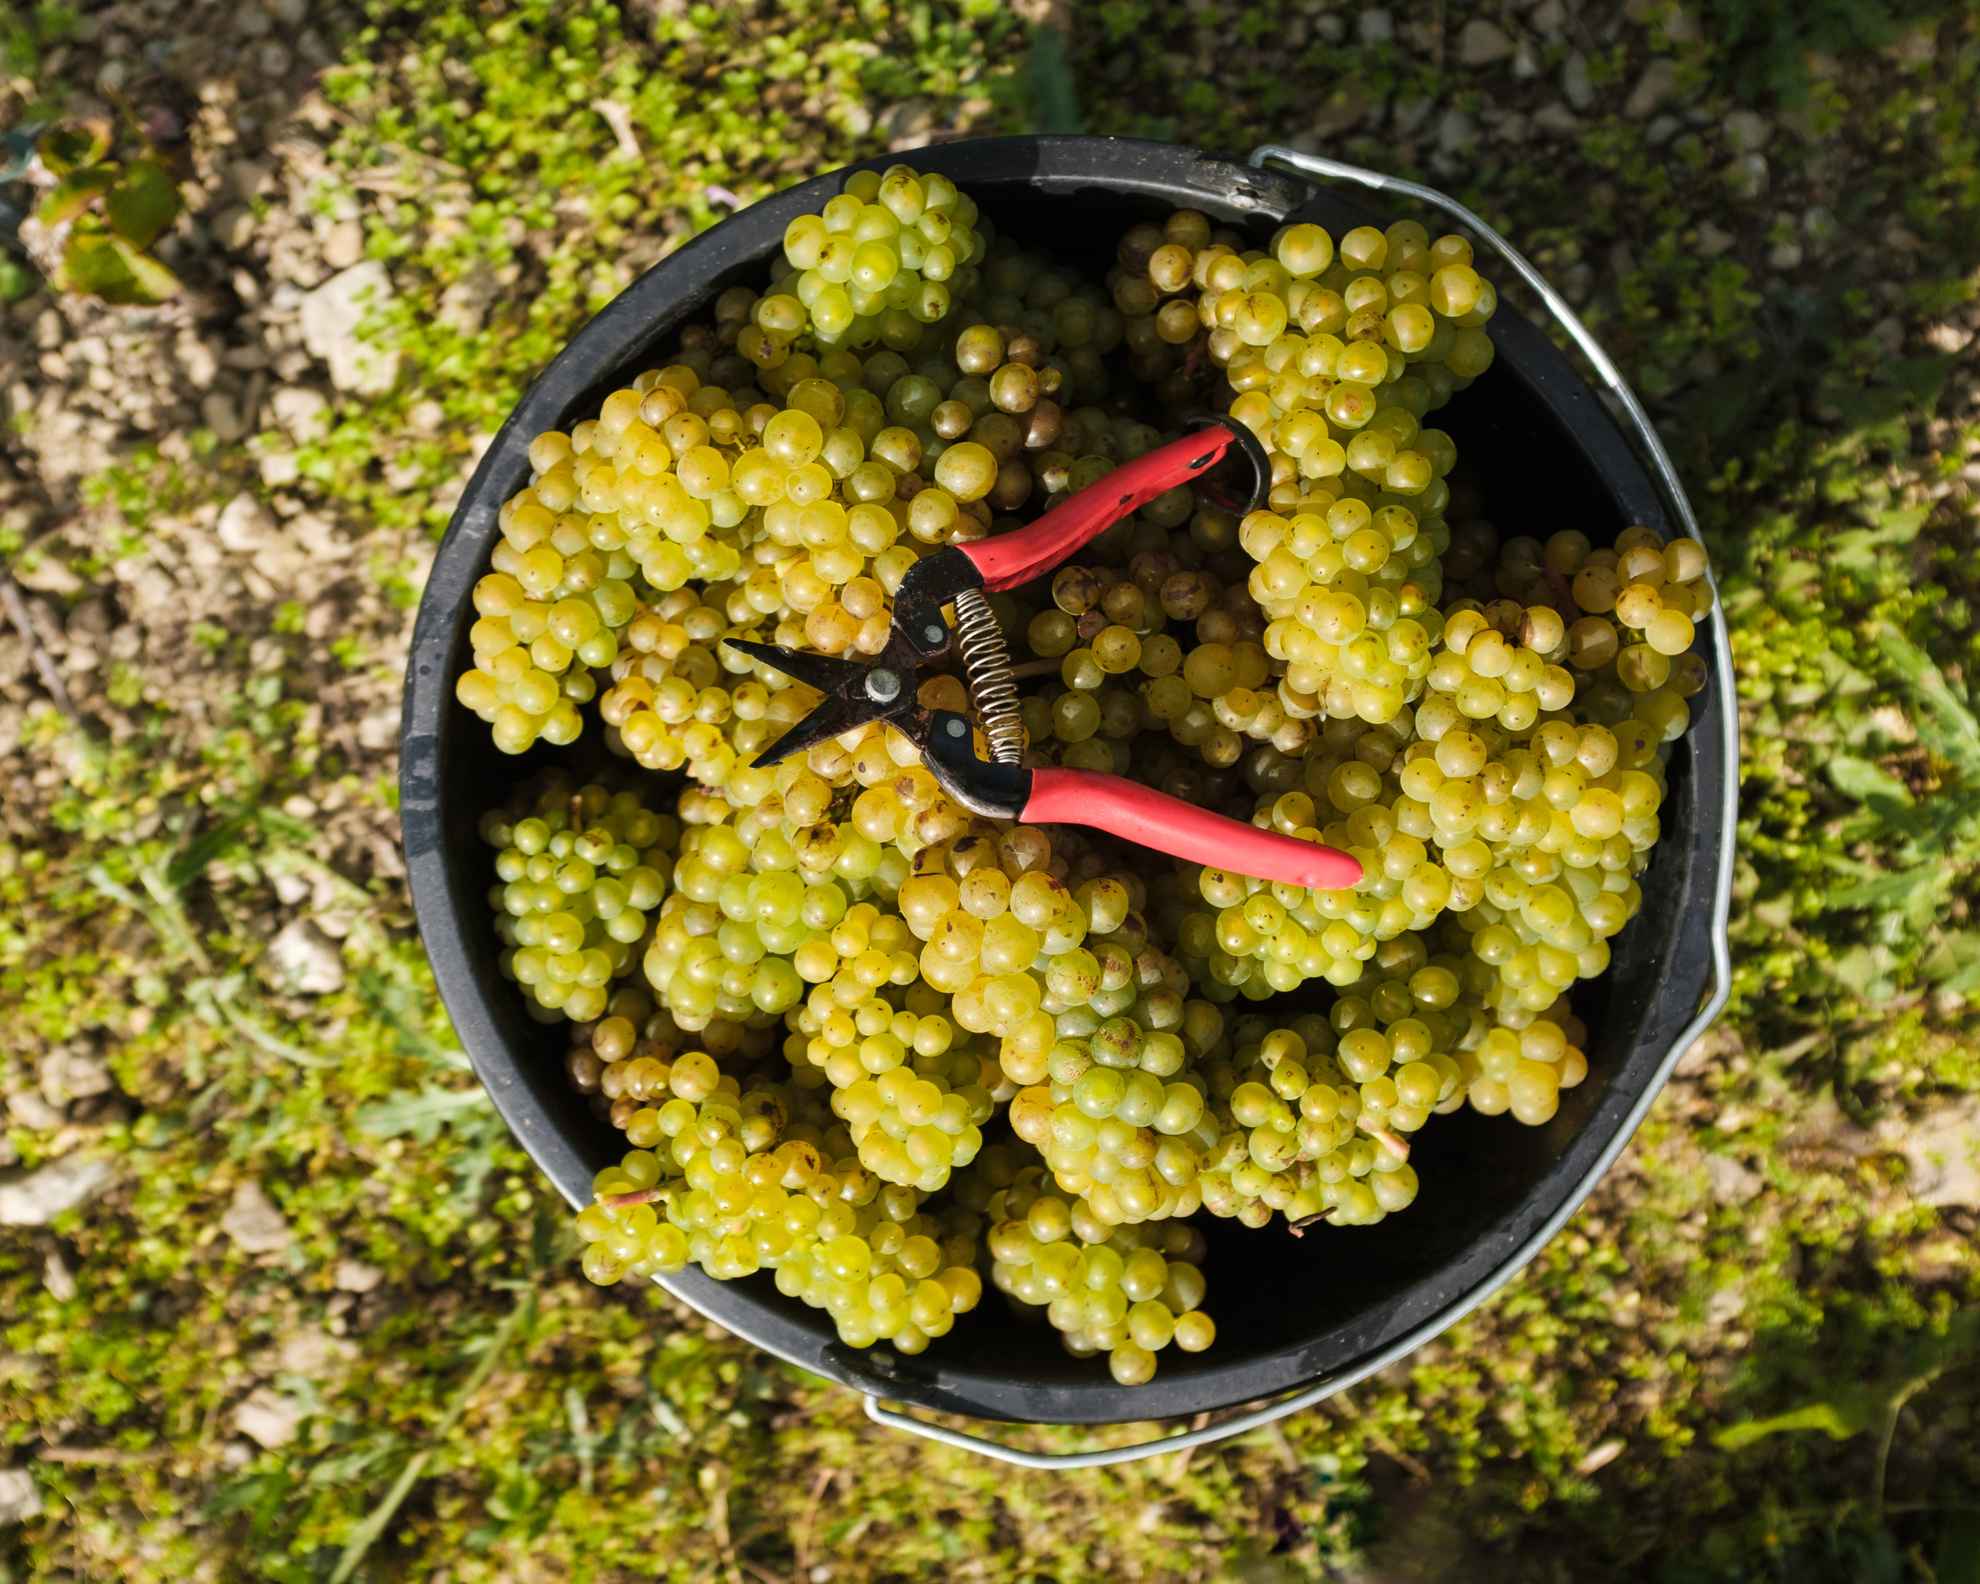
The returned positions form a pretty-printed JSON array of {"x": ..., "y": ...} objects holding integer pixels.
[{"x": 316, "y": 1318}]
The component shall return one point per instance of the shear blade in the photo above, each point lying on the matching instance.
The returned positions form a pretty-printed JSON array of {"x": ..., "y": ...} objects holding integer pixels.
[{"x": 845, "y": 706}]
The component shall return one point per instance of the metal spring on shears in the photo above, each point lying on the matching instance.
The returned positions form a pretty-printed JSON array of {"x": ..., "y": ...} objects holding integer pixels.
[{"x": 986, "y": 659}]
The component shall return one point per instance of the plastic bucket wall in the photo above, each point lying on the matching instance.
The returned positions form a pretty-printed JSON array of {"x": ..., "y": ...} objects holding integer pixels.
[{"x": 1288, "y": 1312}]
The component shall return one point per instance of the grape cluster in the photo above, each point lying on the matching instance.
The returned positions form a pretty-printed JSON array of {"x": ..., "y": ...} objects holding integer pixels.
[
  {"x": 580, "y": 876},
  {"x": 877, "y": 264},
  {"x": 1128, "y": 1292},
  {"x": 813, "y": 997},
  {"x": 738, "y": 1182}
]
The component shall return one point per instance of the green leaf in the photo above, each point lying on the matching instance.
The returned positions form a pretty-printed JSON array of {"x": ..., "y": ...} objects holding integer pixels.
[
  {"x": 420, "y": 1116},
  {"x": 73, "y": 194},
  {"x": 1949, "y": 726},
  {"x": 152, "y": 282},
  {"x": 1049, "y": 83},
  {"x": 92, "y": 264},
  {"x": 193, "y": 858},
  {"x": 1885, "y": 891},
  {"x": 101, "y": 265},
  {"x": 143, "y": 203},
  {"x": 16, "y": 279},
  {"x": 1860, "y": 779},
  {"x": 70, "y": 147},
  {"x": 1839, "y": 1420}
]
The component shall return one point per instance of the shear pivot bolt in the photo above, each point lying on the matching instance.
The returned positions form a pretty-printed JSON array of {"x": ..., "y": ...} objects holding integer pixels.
[
  {"x": 956, "y": 728},
  {"x": 883, "y": 686},
  {"x": 934, "y": 633}
]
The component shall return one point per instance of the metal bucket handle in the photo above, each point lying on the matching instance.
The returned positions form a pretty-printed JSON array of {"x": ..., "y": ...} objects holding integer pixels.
[{"x": 1652, "y": 449}]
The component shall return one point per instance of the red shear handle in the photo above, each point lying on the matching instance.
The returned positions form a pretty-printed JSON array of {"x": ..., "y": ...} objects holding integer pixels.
[
  {"x": 1011, "y": 559},
  {"x": 1154, "y": 819}
]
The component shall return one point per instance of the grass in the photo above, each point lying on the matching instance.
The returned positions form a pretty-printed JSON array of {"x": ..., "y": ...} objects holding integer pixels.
[{"x": 1749, "y": 1358}]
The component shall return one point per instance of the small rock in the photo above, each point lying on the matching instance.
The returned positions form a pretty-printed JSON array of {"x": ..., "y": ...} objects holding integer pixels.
[
  {"x": 1661, "y": 130},
  {"x": 1747, "y": 175},
  {"x": 378, "y": 730},
  {"x": 345, "y": 245},
  {"x": 1576, "y": 84},
  {"x": 69, "y": 1073},
  {"x": 245, "y": 525},
  {"x": 305, "y": 413},
  {"x": 1375, "y": 27},
  {"x": 1725, "y": 1305},
  {"x": 310, "y": 1352},
  {"x": 1410, "y": 113},
  {"x": 1455, "y": 132},
  {"x": 57, "y": 1277},
  {"x": 267, "y": 1417},
  {"x": 1943, "y": 1152},
  {"x": 36, "y": 1198},
  {"x": 1558, "y": 119},
  {"x": 20, "y": 1498},
  {"x": 465, "y": 303},
  {"x": 222, "y": 415},
  {"x": 1784, "y": 256},
  {"x": 1658, "y": 83},
  {"x": 254, "y": 1223},
  {"x": 1712, "y": 241},
  {"x": 1481, "y": 43},
  {"x": 198, "y": 361},
  {"x": 291, "y": 889},
  {"x": 1598, "y": 1458},
  {"x": 331, "y": 318},
  {"x": 1550, "y": 17},
  {"x": 289, "y": 13},
  {"x": 1747, "y": 131},
  {"x": 233, "y": 228},
  {"x": 1526, "y": 62},
  {"x": 1948, "y": 338},
  {"x": 304, "y": 960},
  {"x": 354, "y": 1276},
  {"x": 1732, "y": 1181},
  {"x": 47, "y": 574},
  {"x": 1819, "y": 225},
  {"x": 278, "y": 468}
]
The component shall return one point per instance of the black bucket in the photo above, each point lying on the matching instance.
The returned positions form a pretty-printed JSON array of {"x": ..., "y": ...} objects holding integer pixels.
[{"x": 1290, "y": 1314}]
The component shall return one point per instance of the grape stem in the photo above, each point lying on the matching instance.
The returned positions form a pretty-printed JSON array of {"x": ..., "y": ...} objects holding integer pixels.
[
  {"x": 1394, "y": 1143},
  {"x": 636, "y": 1197},
  {"x": 1298, "y": 1228}
]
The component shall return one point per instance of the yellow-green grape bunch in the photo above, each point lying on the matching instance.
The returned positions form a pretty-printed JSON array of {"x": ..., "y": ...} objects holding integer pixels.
[
  {"x": 578, "y": 879},
  {"x": 877, "y": 264},
  {"x": 1128, "y": 1292},
  {"x": 886, "y": 1278},
  {"x": 1523, "y": 1070},
  {"x": 729, "y": 1181},
  {"x": 1563, "y": 882},
  {"x": 1350, "y": 630},
  {"x": 749, "y": 920},
  {"x": 1489, "y": 676},
  {"x": 1655, "y": 593},
  {"x": 621, "y": 1058},
  {"x": 1112, "y": 1105},
  {"x": 653, "y": 465},
  {"x": 680, "y": 697},
  {"x": 549, "y": 613},
  {"x": 913, "y": 1092},
  {"x": 1320, "y": 1122},
  {"x": 1241, "y": 935}
]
